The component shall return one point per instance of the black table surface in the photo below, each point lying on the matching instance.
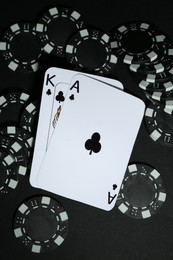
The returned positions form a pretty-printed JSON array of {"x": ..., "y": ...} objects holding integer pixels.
[{"x": 94, "y": 233}]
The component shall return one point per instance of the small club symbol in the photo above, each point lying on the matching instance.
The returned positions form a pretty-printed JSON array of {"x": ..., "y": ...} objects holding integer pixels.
[
  {"x": 71, "y": 97},
  {"x": 48, "y": 92},
  {"x": 60, "y": 97},
  {"x": 93, "y": 144},
  {"x": 114, "y": 186}
]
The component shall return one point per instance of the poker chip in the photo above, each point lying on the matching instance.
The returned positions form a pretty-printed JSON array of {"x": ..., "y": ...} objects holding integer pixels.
[
  {"x": 164, "y": 76},
  {"x": 16, "y": 150},
  {"x": 156, "y": 86},
  {"x": 20, "y": 135},
  {"x": 90, "y": 49},
  {"x": 55, "y": 26},
  {"x": 8, "y": 174},
  {"x": 158, "y": 120},
  {"x": 41, "y": 224},
  {"x": 156, "y": 66},
  {"x": 13, "y": 97},
  {"x": 160, "y": 96},
  {"x": 142, "y": 192},
  {"x": 137, "y": 42},
  {"x": 7, "y": 102},
  {"x": 28, "y": 117},
  {"x": 20, "y": 47}
]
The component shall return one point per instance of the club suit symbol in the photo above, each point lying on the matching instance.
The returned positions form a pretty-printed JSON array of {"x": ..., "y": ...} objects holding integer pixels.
[
  {"x": 93, "y": 144},
  {"x": 48, "y": 92},
  {"x": 60, "y": 97}
]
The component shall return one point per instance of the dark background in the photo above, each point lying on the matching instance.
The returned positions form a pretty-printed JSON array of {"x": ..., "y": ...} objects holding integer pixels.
[{"x": 93, "y": 233}]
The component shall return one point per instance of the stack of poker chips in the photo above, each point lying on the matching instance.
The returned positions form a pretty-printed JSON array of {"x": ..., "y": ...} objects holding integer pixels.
[{"x": 149, "y": 55}]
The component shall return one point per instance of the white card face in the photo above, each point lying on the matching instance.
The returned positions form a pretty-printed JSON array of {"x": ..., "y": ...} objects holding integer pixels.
[
  {"x": 53, "y": 76},
  {"x": 89, "y": 151}
]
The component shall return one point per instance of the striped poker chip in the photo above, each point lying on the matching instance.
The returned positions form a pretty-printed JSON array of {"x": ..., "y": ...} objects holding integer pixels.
[
  {"x": 158, "y": 65},
  {"x": 20, "y": 135},
  {"x": 11, "y": 98},
  {"x": 16, "y": 150},
  {"x": 29, "y": 117},
  {"x": 160, "y": 97},
  {"x": 142, "y": 192},
  {"x": 137, "y": 42},
  {"x": 90, "y": 49},
  {"x": 40, "y": 224},
  {"x": 55, "y": 26},
  {"x": 156, "y": 86},
  {"x": 8, "y": 174},
  {"x": 20, "y": 47},
  {"x": 159, "y": 122},
  {"x": 165, "y": 76}
]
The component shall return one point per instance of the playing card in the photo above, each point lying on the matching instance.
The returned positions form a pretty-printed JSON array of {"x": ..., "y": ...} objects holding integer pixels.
[
  {"x": 53, "y": 76},
  {"x": 91, "y": 146}
]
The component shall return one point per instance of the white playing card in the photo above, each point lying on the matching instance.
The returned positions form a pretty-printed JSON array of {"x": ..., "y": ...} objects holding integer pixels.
[
  {"x": 59, "y": 98},
  {"x": 53, "y": 76},
  {"x": 91, "y": 146}
]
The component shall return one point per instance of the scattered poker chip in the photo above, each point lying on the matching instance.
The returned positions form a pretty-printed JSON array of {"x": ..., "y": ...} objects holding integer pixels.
[
  {"x": 137, "y": 42},
  {"x": 90, "y": 49},
  {"x": 28, "y": 117},
  {"x": 8, "y": 100},
  {"x": 20, "y": 135},
  {"x": 157, "y": 66},
  {"x": 55, "y": 26},
  {"x": 156, "y": 86},
  {"x": 20, "y": 47},
  {"x": 16, "y": 150},
  {"x": 8, "y": 174},
  {"x": 13, "y": 97},
  {"x": 166, "y": 75},
  {"x": 158, "y": 120},
  {"x": 142, "y": 192},
  {"x": 41, "y": 224}
]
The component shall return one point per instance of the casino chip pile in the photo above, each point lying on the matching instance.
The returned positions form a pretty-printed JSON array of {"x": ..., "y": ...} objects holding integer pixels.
[
  {"x": 149, "y": 54},
  {"x": 16, "y": 141}
]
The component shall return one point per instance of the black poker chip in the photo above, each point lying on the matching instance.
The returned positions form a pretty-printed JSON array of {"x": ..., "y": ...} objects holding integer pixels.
[
  {"x": 13, "y": 97},
  {"x": 55, "y": 26},
  {"x": 166, "y": 75},
  {"x": 7, "y": 102},
  {"x": 90, "y": 49},
  {"x": 156, "y": 66},
  {"x": 159, "y": 122},
  {"x": 20, "y": 135},
  {"x": 20, "y": 47},
  {"x": 142, "y": 192},
  {"x": 156, "y": 86},
  {"x": 16, "y": 150},
  {"x": 137, "y": 42},
  {"x": 8, "y": 174},
  {"x": 40, "y": 224},
  {"x": 160, "y": 97},
  {"x": 29, "y": 117}
]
